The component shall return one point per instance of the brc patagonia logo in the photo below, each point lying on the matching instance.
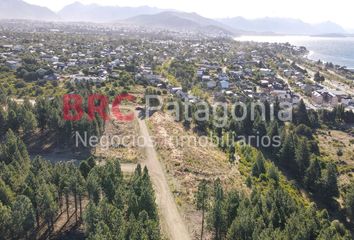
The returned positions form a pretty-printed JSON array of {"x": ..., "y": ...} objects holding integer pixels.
[{"x": 96, "y": 103}]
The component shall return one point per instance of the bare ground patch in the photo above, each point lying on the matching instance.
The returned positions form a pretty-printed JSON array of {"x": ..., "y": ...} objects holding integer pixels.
[
  {"x": 187, "y": 163},
  {"x": 124, "y": 144}
]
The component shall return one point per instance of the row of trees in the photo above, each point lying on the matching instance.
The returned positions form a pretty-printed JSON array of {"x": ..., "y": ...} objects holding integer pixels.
[
  {"x": 336, "y": 116},
  {"x": 47, "y": 115}
]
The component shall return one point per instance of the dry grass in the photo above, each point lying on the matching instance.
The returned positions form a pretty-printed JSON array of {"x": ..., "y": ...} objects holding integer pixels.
[
  {"x": 332, "y": 141},
  {"x": 124, "y": 148},
  {"x": 187, "y": 163}
]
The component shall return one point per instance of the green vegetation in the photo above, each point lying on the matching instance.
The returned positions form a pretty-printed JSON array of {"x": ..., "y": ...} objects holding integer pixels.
[
  {"x": 127, "y": 210},
  {"x": 271, "y": 214}
]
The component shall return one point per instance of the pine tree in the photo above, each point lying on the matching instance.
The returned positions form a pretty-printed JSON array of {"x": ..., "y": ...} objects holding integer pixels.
[
  {"x": 300, "y": 115},
  {"x": 202, "y": 197},
  {"x": 349, "y": 201},
  {"x": 313, "y": 175},
  {"x": 273, "y": 132},
  {"x": 232, "y": 202},
  {"x": 84, "y": 169},
  {"x": 330, "y": 182},
  {"x": 29, "y": 123},
  {"x": 94, "y": 186},
  {"x": 232, "y": 152},
  {"x": 91, "y": 217},
  {"x": 6, "y": 194},
  {"x": 3, "y": 122},
  {"x": 23, "y": 219},
  {"x": 47, "y": 205},
  {"x": 217, "y": 213},
  {"x": 13, "y": 122},
  {"x": 5, "y": 221},
  {"x": 302, "y": 156},
  {"x": 259, "y": 165},
  {"x": 287, "y": 152}
]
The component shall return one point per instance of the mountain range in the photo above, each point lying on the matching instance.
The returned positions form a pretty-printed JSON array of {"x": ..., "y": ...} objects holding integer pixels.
[
  {"x": 162, "y": 18},
  {"x": 96, "y": 13},
  {"x": 282, "y": 26},
  {"x": 18, "y": 9},
  {"x": 182, "y": 21}
]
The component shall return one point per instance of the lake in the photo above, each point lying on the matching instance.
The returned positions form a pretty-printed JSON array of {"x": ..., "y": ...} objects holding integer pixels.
[{"x": 329, "y": 49}]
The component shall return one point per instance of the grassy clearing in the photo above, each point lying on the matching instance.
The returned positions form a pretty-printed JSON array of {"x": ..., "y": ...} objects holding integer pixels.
[
  {"x": 333, "y": 144},
  {"x": 125, "y": 147}
]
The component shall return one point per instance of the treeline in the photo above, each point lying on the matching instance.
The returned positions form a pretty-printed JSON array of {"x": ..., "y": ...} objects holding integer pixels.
[
  {"x": 336, "y": 116},
  {"x": 271, "y": 214},
  {"x": 120, "y": 209},
  {"x": 45, "y": 114}
]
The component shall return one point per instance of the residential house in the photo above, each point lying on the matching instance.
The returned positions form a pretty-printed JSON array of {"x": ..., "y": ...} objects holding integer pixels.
[
  {"x": 211, "y": 84},
  {"x": 82, "y": 78},
  {"x": 12, "y": 64},
  {"x": 224, "y": 84},
  {"x": 265, "y": 72}
]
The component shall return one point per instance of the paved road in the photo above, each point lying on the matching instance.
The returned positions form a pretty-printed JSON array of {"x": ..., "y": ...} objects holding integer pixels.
[{"x": 171, "y": 219}]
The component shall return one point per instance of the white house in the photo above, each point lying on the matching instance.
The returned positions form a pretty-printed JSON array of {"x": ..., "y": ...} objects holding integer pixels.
[
  {"x": 265, "y": 71},
  {"x": 288, "y": 73},
  {"x": 264, "y": 83},
  {"x": 200, "y": 73},
  {"x": 347, "y": 101},
  {"x": 206, "y": 78},
  {"x": 12, "y": 64},
  {"x": 317, "y": 97},
  {"x": 82, "y": 78}
]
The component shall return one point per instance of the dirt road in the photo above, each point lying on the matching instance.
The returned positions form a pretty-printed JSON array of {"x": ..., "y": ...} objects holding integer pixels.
[{"x": 171, "y": 219}]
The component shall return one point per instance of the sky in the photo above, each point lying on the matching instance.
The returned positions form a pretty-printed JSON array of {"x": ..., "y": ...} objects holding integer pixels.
[{"x": 311, "y": 11}]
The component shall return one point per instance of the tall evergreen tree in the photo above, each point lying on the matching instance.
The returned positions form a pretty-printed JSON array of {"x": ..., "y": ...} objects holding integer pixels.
[
  {"x": 202, "y": 197},
  {"x": 349, "y": 201},
  {"x": 302, "y": 156}
]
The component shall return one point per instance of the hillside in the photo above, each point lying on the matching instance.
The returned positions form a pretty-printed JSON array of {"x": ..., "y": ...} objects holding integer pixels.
[
  {"x": 18, "y": 9},
  {"x": 282, "y": 26},
  {"x": 97, "y": 13},
  {"x": 181, "y": 21}
]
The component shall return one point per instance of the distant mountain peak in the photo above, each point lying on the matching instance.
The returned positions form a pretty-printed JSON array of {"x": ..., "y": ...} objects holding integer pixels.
[{"x": 18, "y": 9}]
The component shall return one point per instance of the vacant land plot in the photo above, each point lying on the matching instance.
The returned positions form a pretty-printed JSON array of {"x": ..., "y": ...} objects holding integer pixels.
[
  {"x": 338, "y": 147},
  {"x": 187, "y": 163},
  {"x": 122, "y": 144}
]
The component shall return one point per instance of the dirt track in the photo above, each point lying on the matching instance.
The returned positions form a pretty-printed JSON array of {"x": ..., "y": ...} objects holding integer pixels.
[{"x": 171, "y": 219}]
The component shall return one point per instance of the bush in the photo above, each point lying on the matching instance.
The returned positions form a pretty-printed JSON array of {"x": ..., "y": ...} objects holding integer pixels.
[{"x": 20, "y": 84}]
